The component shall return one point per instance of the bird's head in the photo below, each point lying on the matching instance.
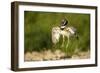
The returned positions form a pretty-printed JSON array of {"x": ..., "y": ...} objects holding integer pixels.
[{"x": 63, "y": 24}]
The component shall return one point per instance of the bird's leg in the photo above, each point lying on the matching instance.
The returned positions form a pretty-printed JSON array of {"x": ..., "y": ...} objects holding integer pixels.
[
  {"x": 67, "y": 46},
  {"x": 67, "y": 43},
  {"x": 63, "y": 41}
]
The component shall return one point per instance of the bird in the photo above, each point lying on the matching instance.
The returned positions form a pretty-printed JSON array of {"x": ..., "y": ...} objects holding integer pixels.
[{"x": 63, "y": 31}]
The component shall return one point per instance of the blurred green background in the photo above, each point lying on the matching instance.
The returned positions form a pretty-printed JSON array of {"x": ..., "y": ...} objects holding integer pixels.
[{"x": 38, "y": 26}]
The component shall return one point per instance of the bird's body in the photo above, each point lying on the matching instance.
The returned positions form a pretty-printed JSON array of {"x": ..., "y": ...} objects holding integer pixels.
[{"x": 67, "y": 32}]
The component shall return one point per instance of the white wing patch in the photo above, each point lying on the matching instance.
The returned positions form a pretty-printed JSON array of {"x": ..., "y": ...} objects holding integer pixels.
[{"x": 55, "y": 34}]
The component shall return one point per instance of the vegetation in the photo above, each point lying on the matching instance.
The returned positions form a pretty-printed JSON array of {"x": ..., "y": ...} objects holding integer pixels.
[{"x": 38, "y": 26}]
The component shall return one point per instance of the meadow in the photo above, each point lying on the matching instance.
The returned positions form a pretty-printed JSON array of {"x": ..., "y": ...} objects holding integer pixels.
[{"x": 38, "y": 26}]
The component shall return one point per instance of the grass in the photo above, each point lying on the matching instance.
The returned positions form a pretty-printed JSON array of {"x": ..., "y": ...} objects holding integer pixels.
[{"x": 38, "y": 26}]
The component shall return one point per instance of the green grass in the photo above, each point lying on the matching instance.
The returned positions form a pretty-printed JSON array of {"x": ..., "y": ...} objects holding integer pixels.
[{"x": 38, "y": 26}]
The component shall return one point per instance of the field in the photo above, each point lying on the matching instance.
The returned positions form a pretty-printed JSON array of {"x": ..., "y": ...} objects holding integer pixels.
[{"x": 37, "y": 35}]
